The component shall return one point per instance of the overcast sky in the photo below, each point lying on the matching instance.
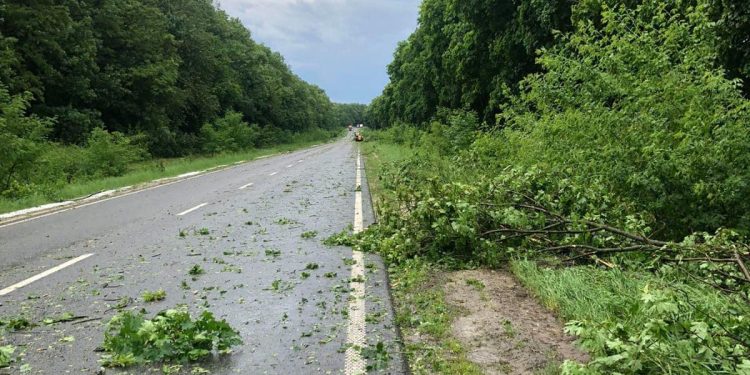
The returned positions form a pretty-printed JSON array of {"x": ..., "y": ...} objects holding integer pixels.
[{"x": 343, "y": 46}]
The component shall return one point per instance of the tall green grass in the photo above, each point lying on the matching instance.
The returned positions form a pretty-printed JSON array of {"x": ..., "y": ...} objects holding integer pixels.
[
  {"x": 583, "y": 293},
  {"x": 377, "y": 155},
  {"x": 634, "y": 322}
]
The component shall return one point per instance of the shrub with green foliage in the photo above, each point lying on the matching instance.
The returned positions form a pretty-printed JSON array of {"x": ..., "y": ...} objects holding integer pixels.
[
  {"x": 229, "y": 134},
  {"x": 171, "y": 336},
  {"x": 108, "y": 154},
  {"x": 622, "y": 169},
  {"x": 639, "y": 106},
  {"x": 22, "y": 137},
  {"x": 638, "y": 323}
]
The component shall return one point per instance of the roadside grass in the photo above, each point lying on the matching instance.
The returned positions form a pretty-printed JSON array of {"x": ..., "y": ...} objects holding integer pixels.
[
  {"x": 658, "y": 324},
  {"x": 583, "y": 293},
  {"x": 377, "y": 155},
  {"x": 631, "y": 316},
  {"x": 422, "y": 311},
  {"x": 143, "y": 172},
  {"x": 421, "y": 308}
]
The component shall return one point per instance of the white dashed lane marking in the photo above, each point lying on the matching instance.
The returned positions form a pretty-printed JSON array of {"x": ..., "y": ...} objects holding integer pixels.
[
  {"x": 43, "y": 274},
  {"x": 183, "y": 213},
  {"x": 243, "y": 187}
]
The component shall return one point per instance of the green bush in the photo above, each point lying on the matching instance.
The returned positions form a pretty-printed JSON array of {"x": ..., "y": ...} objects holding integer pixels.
[
  {"x": 639, "y": 105},
  {"x": 638, "y": 323},
  {"x": 631, "y": 133},
  {"x": 23, "y": 139},
  {"x": 109, "y": 154},
  {"x": 229, "y": 134}
]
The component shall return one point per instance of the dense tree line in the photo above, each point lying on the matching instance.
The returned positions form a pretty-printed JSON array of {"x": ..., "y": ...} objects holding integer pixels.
[
  {"x": 471, "y": 54},
  {"x": 155, "y": 77},
  {"x": 161, "y": 68},
  {"x": 659, "y": 115},
  {"x": 350, "y": 113},
  {"x": 623, "y": 154}
]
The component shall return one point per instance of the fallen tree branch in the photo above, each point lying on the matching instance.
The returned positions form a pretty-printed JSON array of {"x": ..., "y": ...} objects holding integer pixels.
[
  {"x": 741, "y": 264},
  {"x": 540, "y": 231}
]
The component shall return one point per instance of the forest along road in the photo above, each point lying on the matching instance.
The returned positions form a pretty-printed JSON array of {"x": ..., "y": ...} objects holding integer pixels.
[{"x": 289, "y": 296}]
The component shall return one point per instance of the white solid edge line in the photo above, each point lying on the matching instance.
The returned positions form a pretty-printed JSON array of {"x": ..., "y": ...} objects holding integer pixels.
[
  {"x": 273, "y": 174},
  {"x": 246, "y": 186},
  {"x": 189, "y": 174},
  {"x": 185, "y": 177},
  {"x": 43, "y": 274},
  {"x": 109, "y": 199},
  {"x": 31, "y": 210},
  {"x": 354, "y": 364},
  {"x": 183, "y": 213}
]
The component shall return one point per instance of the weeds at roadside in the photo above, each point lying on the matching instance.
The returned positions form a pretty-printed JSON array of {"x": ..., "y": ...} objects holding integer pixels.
[
  {"x": 343, "y": 238},
  {"x": 476, "y": 284},
  {"x": 508, "y": 329},
  {"x": 377, "y": 357},
  {"x": 421, "y": 310},
  {"x": 375, "y": 317}
]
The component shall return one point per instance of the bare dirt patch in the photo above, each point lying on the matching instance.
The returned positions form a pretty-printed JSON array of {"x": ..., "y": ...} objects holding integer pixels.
[{"x": 503, "y": 329}]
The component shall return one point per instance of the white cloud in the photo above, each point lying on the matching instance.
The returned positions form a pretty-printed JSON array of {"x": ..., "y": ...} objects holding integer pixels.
[{"x": 328, "y": 42}]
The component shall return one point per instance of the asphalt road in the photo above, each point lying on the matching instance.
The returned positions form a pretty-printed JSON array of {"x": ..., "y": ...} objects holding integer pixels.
[{"x": 254, "y": 256}]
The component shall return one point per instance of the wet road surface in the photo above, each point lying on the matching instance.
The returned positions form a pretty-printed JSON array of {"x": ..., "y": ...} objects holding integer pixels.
[{"x": 287, "y": 294}]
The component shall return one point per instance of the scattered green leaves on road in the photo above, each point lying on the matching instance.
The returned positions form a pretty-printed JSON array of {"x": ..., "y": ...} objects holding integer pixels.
[
  {"x": 196, "y": 270},
  {"x": 15, "y": 323},
  {"x": 171, "y": 336},
  {"x": 6, "y": 355},
  {"x": 64, "y": 317},
  {"x": 343, "y": 238},
  {"x": 149, "y": 296}
]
